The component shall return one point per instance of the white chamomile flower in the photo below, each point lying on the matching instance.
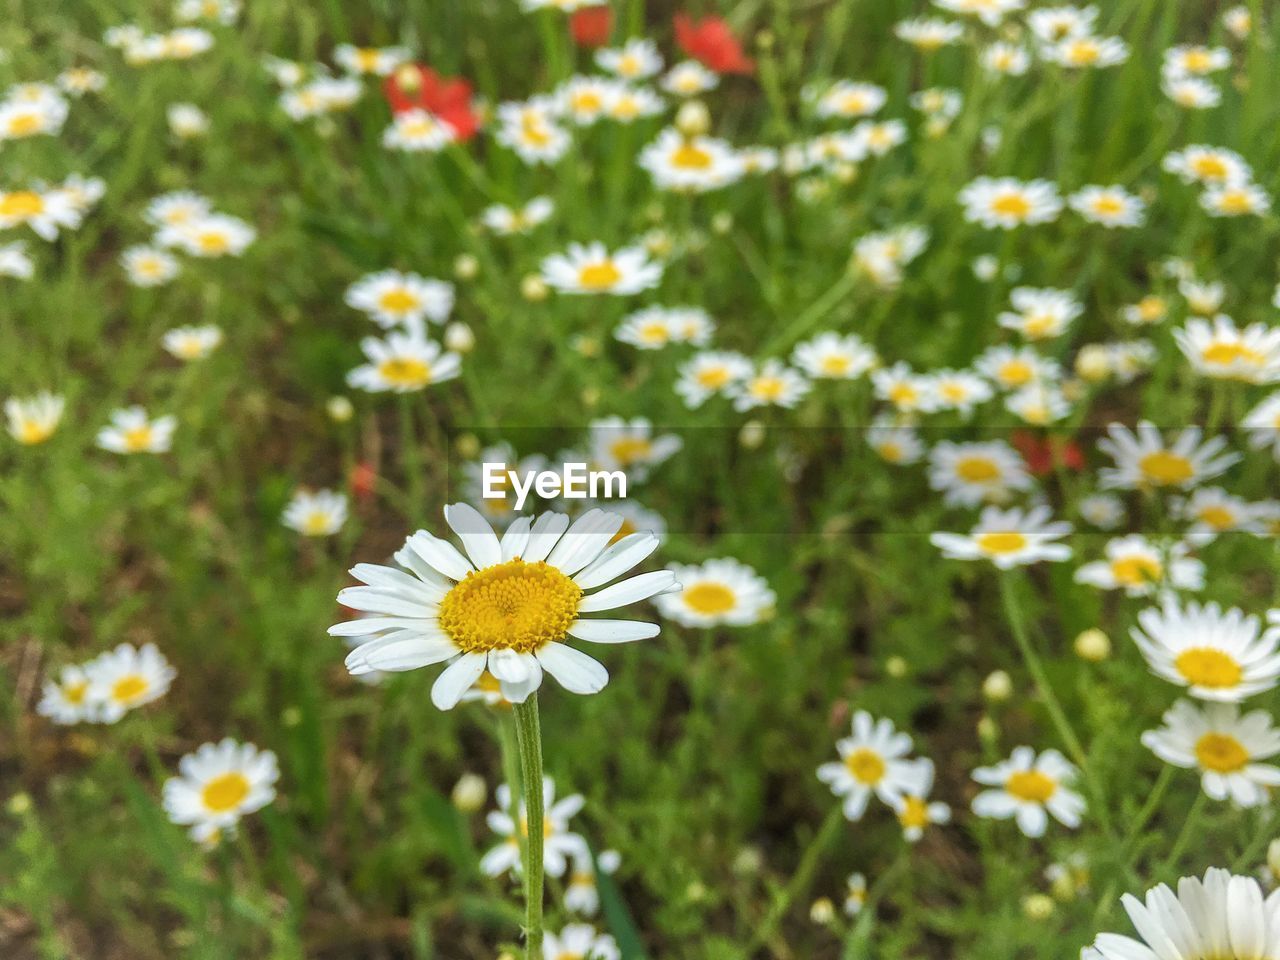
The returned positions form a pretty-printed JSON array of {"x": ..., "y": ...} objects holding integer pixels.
[
  {"x": 390, "y": 297},
  {"x": 1208, "y": 166},
  {"x": 1211, "y": 511},
  {"x": 873, "y": 760},
  {"x": 1225, "y": 352},
  {"x": 1030, "y": 789},
  {"x": 176, "y": 208},
  {"x": 66, "y": 700},
  {"x": 656, "y": 327},
  {"x": 403, "y": 363},
  {"x": 186, "y": 121},
  {"x": 581, "y": 894},
  {"x": 580, "y": 941},
  {"x": 709, "y": 373},
  {"x": 846, "y": 99},
  {"x": 1151, "y": 309},
  {"x": 1008, "y": 538},
  {"x": 990, "y": 12},
  {"x": 688, "y": 79},
  {"x": 1139, "y": 567},
  {"x": 1144, "y": 460},
  {"x": 379, "y": 61},
  {"x": 192, "y": 343},
  {"x": 693, "y": 164},
  {"x": 1009, "y": 59},
  {"x": 907, "y": 390},
  {"x": 1204, "y": 298},
  {"x": 319, "y": 513},
  {"x": 125, "y": 678},
  {"x": 148, "y": 266},
  {"x": 211, "y": 236},
  {"x": 772, "y": 384},
  {"x": 627, "y": 104},
  {"x": 1038, "y": 404},
  {"x": 132, "y": 431},
  {"x": 559, "y": 844},
  {"x": 1238, "y": 21},
  {"x": 830, "y": 356},
  {"x": 32, "y": 420},
  {"x": 973, "y": 473},
  {"x": 855, "y": 895},
  {"x": 218, "y": 784},
  {"x": 916, "y": 812},
  {"x": 22, "y": 119},
  {"x": 45, "y": 211},
  {"x": 15, "y": 261},
  {"x": 530, "y": 130},
  {"x": 509, "y": 605},
  {"x": 1263, "y": 425},
  {"x": 1224, "y": 746},
  {"x": 722, "y": 591},
  {"x": 1040, "y": 314},
  {"x": 1195, "y": 60},
  {"x": 630, "y": 446},
  {"x": 1235, "y": 200},
  {"x": 592, "y": 269},
  {"x": 1054, "y": 24},
  {"x": 1191, "y": 93},
  {"x": 418, "y": 131},
  {"x": 879, "y": 138},
  {"x": 1102, "y": 510},
  {"x": 1006, "y": 203},
  {"x": 928, "y": 34},
  {"x": 508, "y": 221},
  {"x": 78, "y": 81},
  {"x": 958, "y": 390},
  {"x": 1109, "y": 206},
  {"x": 637, "y": 59},
  {"x": 894, "y": 442},
  {"x": 1086, "y": 52}
]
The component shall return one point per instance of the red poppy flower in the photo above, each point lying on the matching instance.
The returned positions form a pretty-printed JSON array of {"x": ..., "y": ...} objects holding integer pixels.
[
  {"x": 1045, "y": 454},
  {"x": 591, "y": 26},
  {"x": 710, "y": 42},
  {"x": 363, "y": 478},
  {"x": 417, "y": 87}
]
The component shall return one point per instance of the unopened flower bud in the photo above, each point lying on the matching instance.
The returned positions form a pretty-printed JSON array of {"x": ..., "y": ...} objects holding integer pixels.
[
  {"x": 1093, "y": 645},
  {"x": 469, "y": 793}
]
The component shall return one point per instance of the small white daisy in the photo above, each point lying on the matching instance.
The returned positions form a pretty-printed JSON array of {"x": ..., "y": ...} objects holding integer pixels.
[{"x": 1030, "y": 789}]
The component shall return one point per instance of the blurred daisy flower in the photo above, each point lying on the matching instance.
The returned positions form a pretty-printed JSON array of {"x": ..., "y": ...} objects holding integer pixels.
[
  {"x": 830, "y": 356},
  {"x": 390, "y": 297},
  {"x": 508, "y": 221},
  {"x": 403, "y": 363},
  {"x": 1208, "y": 166},
  {"x": 319, "y": 513},
  {"x": 559, "y": 846},
  {"x": 772, "y": 384},
  {"x": 630, "y": 446},
  {"x": 1224, "y": 746},
  {"x": 873, "y": 761},
  {"x": 1007, "y": 203},
  {"x": 126, "y": 678},
  {"x": 46, "y": 211},
  {"x": 1030, "y": 788},
  {"x": 210, "y": 236},
  {"x": 592, "y": 269},
  {"x": 656, "y": 327},
  {"x": 1008, "y": 538},
  {"x": 192, "y": 343},
  {"x": 637, "y": 59},
  {"x": 717, "y": 592},
  {"x": 1222, "y": 351},
  {"x": 1040, "y": 314},
  {"x": 709, "y": 373},
  {"x": 1144, "y": 460},
  {"x": 378, "y": 61},
  {"x": 132, "y": 431},
  {"x": 969, "y": 474},
  {"x": 915, "y": 811},
  {"x": 66, "y": 700},
  {"x": 1108, "y": 206},
  {"x": 218, "y": 784},
  {"x": 1139, "y": 567},
  {"x": 148, "y": 266},
  {"x": 32, "y": 420},
  {"x": 579, "y": 940}
]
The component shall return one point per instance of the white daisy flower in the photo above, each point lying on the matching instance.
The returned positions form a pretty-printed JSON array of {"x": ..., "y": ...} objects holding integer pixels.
[
  {"x": 559, "y": 845},
  {"x": 1223, "y": 745},
  {"x": 1187, "y": 60},
  {"x": 1040, "y": 314},
  {"x": 22, "y": 119},
  {"x": 1235, "y": 200},
  {"x": 1139, "y": 567},
  {"x": 319, "y": 513},
  {"x": 830, "y": 356},
  {"x": 1102, "y": 510},
  {"x": 879, "y": 138},
  {"x": 694, "y": 164},
  {"x": 1030, "y": 789},
  {"x": 591, "y": 268},
  {"x": 403, "y": 363},
  {"x": 1144, "y": 460},
  {"x": 1055, "y": 24},
  {"x": 847, "y": 99},
  {"x": 509, "y": 221},
  {"x": 126, "y": 678},
  {"x": 32, "y": 420},
  {"x": 630, "y": 446},
  {"x": 1008, "y": 538},
  {"x": 211, "y": 236},
  {"x": 186, "y": 121},
  {"x": 132, "y": 431},
  {"x": 772, "y": 384},
  {"x": 1191, "y": 93},
  {"x": 15, "y": 262},
  {"x": 192, "y": 343},
  {"x": 1088, "y": 52},
  {"x": 1009, "y": 59},
  {"x": 1038, "y": 404},
  {"x": 581, "y": 942},
  {"x": 1238, "y": 21},
  {"x": 581, "y": 894},
  {"x": 928, "y": 34},
  {"x": 715, "y": 592},
  {"x": 958, "y": 390},
  {"x": 855, "y": 896},
  {"x": 530, "y": 130},
  {"x": 218, "y": 784},
  {"x": 1006, "y": 203},
  {"x": 390, "y": 297},
  {"x": 45, "y": 211},
  {"x": 655, "y": 327},
  {"x": 637, "y": 59},
  {"x": 177, "y": 208},
  {"x": 78, "y": 81},
  {"x": 417, "y": 131},
  {"x": 990, "y": 12},
  {"x": 973, "y": 473},
  {"x": 1109, "y": 206},
  {"x": 709, "y": 373},
  {"x": 148, "y": 266},
  {"x": 1263, "y": 425},
  {"x": 1151, "y": 309},
  {"x": 893, "y": 442},
  {"x": 1211, "y": 511},
  {"x": 914, "y": 809},
  {"x": 379, "y": 61},
  {"x": 1011, "y": 368},
  {"x": 873, "y": 761},
  {"x": 628, "y": 104},
  {"x": 508, "y": 606},
  {"x": 688, "y": 79},
  {"x": 908, "y": 391},
  {"x": 1208, "y": 166},
  {"x": 66, "y": 700}
]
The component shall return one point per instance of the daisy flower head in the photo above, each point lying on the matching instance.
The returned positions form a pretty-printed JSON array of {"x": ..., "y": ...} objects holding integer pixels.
[
  {"x": 1139, "y": 567},
  {"x": 592, "y": 269},
  {"x": 192, "y": 343},
  {"x": 209, "y": 237},
  {"x": 1220, "y": 916},
  {"x": 990, "y": 12},
  {"x": 627, "y": 104},
  {"x": 218, "y": 784},
  {"x": 15, "y": 262},
  {"x": 132, "y": 431},
  {"x": 508, "y": 605},
  {"x": 915, "y": 811},
  {"x": 22, "y": 119},
  {"x": 1238, "y": 21},
  {"x": 1143, "y": 460},
  {"x": 873, "y": 761},
  {"x": 831, "y": 356},
  {"x": 1208, "y": 166},
  {"x": 403, "y": 363},
  {"x": 176, "y": 208},
  {"x": 772, "y": 384},
  {"x": 126, "y": 678},
  {"x": 656, "y": 327},
  {"x": 637, "y": 59},
  {"x": 1086, "y": 52},
  {"x": 66, "y": 700},
  {"x": 937, "y": 102},
  {"x": 928, "y": 34},
  {"x": 390, "y": 297},
  {"x": 219, "y": 11},
  {"x": 32, "y": 420},
  {"x": 1038, "y": 404},
  {"x": 1224, "y": 352},
  {"x": 906, "y": 390},
  {"x": 879, "y": 138},
  {"x": 1030, "y": 788},
  {"x": 1055, "y": 24},
  {"x": 148, "y": 266},
  {"x": 1008, "y": 538},
  {"x": 1263, "y": 425},
  {"x": 77, "y": 81},
  {"x": 973, "y": 473},
  {"x": 418, "y": 131},
  {"x": 186, "y": 121},
  {"x": 1215, "y": 654},
  {"x": 688, "y": 79},
  {"x": 893, "y": 442},
  {"x": 1102, "y": 510},
  {"x": 1193, "y": 60},
  {"x": 1235, "y": 200},
  {"x": 1109, "y": 206},
  {"x": 559, "y": 846},
  {"x": 1211, "y": 511},
  {"x": 1009, "y": 59},
  {"x": 582, "y": 895},
  {"x": 1204, "y": 298},
  {"x": 693, "y": 164},
  {"x": 882, "y": 255},
  {"x": 315, "y": 514},
  {"x": 1149, "y": 310},
  {"x": 716, "y": 592},
  {"x": 579, "y": 940},
  {"x": 530, "y": 130},
  {"x": 709, "y": 373},
  {"x": 855, "y": 895},
  {"x": 959, "y": 390},
  {"x": 378, "y": 61},
  {"x": 847, "y": 99},
  {"x": 45, "y": 211},
  {"x": 630, "y": 446},
  {"x": 1040, "y": 314},
  {"x": 1223, "y": 745},
  {"x": 1191, "y": 93},
  {"x": 509, "y": 221},
  {"x": 584, "y": 100},
  {"x": 1006, "y": 203}
]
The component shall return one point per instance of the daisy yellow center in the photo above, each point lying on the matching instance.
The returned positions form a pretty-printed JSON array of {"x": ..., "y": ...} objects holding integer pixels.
[
  {"x": 535, "y": 133},
  {"x": 1209, "y": 167},
  {"x": 1031, "y": 786},
  {"x": 1011, "y": 205},
  {"x": 21, "y": 203},
  {"x": 397, "y": 301},
  {"x": 1235, "y": 201},
  {"x": 977, "y": 470},
  {"x": 1218, "y": 517},
  {"x": 629, "y": 65},
  {"x": 367, "y": 60},
  {"x": 212, "y": 242},
  {"x": 587, "y": 101},
  {"x": 1083, "y": 52},
  {"x": 32, "y": 431},
  {"x": 654, "y": 333},
  {"x": 714, "y": 378},
  {"x": 129, "y": 688},
  {"x": 1108, "y": 205},
  {"x": 404, "y": 371},
  {"x": 599, "y": 276},
  {"x": 867, "y": 766},
  {"x": 1165, "y": 468},
  {"x": 688, "y": 157},
  {"x": 1151, "y": 308},
  {"x": 1039, "y": 324},
  {"x": 74, "y": 693},
  {"x": 25, "y": 124},
  {"x": 891, "y": 451},
  {"x": 903, "y": 394},
  {"x": 419, "y": 127},
  {"x": 835, "y": 364},
  {"x": 1015, "y": 372},
  {"x": 225, "y": 793},
  {"x": 1207, "y": 667},
  {"x": 316, "y": 523},
  {"x": 1196, "y": 61},
  {"x": 1009, "y": 541},
  {"x": 853, "y": 103},
  {"x": 767, "y": 388},
  {"x": 914, "y": 814},
  {"x": 709, "y": 598},
  {"x": 1135, "y": 571},
  {"x": 1221, "y": 753},
  {"x": 138, "y": 438},
  {"x": 510, "y": 606},
  {"x": 630, "y": 449},
  {"x": 1228, "y": 353}
]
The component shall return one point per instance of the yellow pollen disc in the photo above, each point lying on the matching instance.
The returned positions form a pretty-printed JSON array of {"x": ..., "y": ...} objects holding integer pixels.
[
  {"x": 1235, "y": 201},
  {"x": 1221, "y": 753},
  {"x": 977, "y": 470},
  {"x": 1207, "y": 667},
  {"x": 1137, "y": 570},
  {"x": 397, "y": 301},
  {"x": 688, "y": 157},
  {"x": 25, "y": 124},
  {"x": 405, "y": 371},
  {"x": 1209, "y": 167},
  {"x": 367, "y": 60},
  {"x": 587, "y": 101},
  {"x": 535, "y": 133},
  {"x": 891, "y": 451},
  {"x": 914, "y": 814},
  {"x": 709, "y": 598},
  {"x": 599, "y": 276},
  {"x": 128, "y": 689},
  {"x": 1151, "y": 308},
  {"x": 628, "y": 65},
  {"x": 1164, "y": 468},
  {"x": 213, "y": 242},
  {"x": 1039, "y": 325},
  {"x": 713, "y": 378},
  {"x": 903, "y": 394},
  {"x": 1011, "y": 205},
  {"x": 867, "y": 766},
  {"x": 225, "y": 793},
  {"x": 835, "y": 365},
  {"x": 1196, "y": 61},
  {"x": 1108, "y": 205},
  {"x": 32, "y": 432},
  {"x": 954, "y": 392},
  {"x": 1083, "y": 52},
  {"x": 654, "y": 333},
  {"x": 139, "y": 438},
  {"x": 1030, "y": 785},
  {"x": 510, "y": 606},
  {"x": 766, "y": 388},
  {"x": 1220, "y": 518},
  {"x": 1015, "y": 373},
  {"x": 1229, "y": 353},
  {"x": 75, "y": 692},
  {"x": 316, "y": 523},
  {"x": 1004, "y": 542},
  {"x": 21, "y": 203},
  {"x": 628, "y": 450},
  {"x": 853, "y": 103}
]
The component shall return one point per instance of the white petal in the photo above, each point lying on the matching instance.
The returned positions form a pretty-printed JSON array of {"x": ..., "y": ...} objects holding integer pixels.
[
  {"x": 477, "y": 537},
  {"x": 440, "y": 554},
  {"x": 629, "y": 591},
  {"x": 575, "y": 671},
  {"x": 617, "y": 559},
  {"x": 612, "y": 631},
  {"x": 516, "y": 538},
  {"x": 457, "y": 680},
  {"x": 543, "y": 536},
  {"x": 584, "y": 541}
]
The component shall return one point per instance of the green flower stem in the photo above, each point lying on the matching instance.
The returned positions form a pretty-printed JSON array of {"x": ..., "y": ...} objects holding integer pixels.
[
  {"x": 1188, "y": 831},
  {"x": 529, "y": 735},
  {"x": 801, "y": 879}
]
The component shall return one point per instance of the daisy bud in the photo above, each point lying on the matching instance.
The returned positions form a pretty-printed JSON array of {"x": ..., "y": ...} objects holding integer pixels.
[
  {"x": 469, "y": 793},
  {"x": 693, "y": 119},
  {"x": 936, "y": 127},
  {"x": 985, "y": 267},
  {"x": 339, "y": 409},
  {"x": 765, "y": 40},
  {"x": 1273, "y": 857},
  {"x": 695, "y": 892},
  {"x": 459, "y": 338},
  {"x": 748, "y": 862},
  {"x": 987, "y": 729},
  {"x": 823, "y": 911},
  {"x": 1093, "y": 645},
  {"x": 658, "y": 243},
  {"x": 468, "y": 446},
  {"x": 586, "y": 346},
  {"x": 533, "y": 289},
  {"x": 1037, "y": 906},
  {"x": 1063, "y": 885},
  {"x": 408, "y": 77},
  {"x": 290, "y": 717},
  {"x": 896, "y": 667},
  {"x": 991, "y": 139},
  {"x": 751, "y": 435},
  {"x": 998, "y": 687},
  {"x": 19, "y": 804},
  {"x": 722, "y": 222},
  {"x": 1093, "y": 363},
  {"x": 591, "y": 397},
  {"x": 845, "y": 172},
  {"x": 466, "y": 266},
  {"x": 325, "y": 127}
]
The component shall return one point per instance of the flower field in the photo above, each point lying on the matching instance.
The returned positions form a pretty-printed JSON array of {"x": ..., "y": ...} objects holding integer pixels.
[{"x": 817, "y": 459}]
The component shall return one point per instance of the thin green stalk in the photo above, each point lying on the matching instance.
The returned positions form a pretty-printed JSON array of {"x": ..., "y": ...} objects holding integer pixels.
[
  {"x": 529, "y": 735},
  {"x": 1189, "y": 826},
  {"x": 801, "y": 879}
]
